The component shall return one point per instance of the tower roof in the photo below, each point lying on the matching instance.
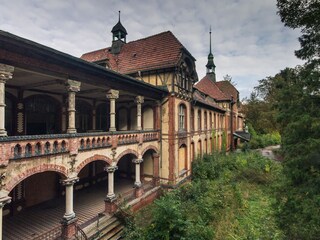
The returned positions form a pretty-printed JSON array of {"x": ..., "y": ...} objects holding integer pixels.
[
  {"x": 210, "y": 65},
  {"x": 119, "y": 27}
]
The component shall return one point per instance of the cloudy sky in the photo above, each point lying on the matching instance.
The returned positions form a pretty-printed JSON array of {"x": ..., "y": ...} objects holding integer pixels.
[{"x": 249, "y": 40}]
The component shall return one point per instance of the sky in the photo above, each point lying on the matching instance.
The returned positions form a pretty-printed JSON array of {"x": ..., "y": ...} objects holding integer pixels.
[{"x": 248, "y": 39}]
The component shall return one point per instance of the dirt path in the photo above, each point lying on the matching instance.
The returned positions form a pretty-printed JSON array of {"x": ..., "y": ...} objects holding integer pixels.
[{"x": 268, "y": 152}]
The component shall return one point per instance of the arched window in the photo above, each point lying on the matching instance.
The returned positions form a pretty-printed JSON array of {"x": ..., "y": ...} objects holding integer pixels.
[
  {"x": 102, "y": 115},
  {"x": 182, "y": 117},
  {"x": 41, "y": 115},
  {"x": 205, "y": 120},
  {"x": 199, "y": 120},
  {"x": 83, "y": 114},
  {"x": 192, "y": 119}
]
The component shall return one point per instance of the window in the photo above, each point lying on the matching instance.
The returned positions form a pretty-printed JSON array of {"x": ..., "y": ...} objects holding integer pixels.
[
  {"x": 182, "y": 117},
  {"x": 192, "y": 120},
  {"x": 210, "y": 120},
  {"x": 205, "y": 120},
  {"x": 199, "y": 120}
]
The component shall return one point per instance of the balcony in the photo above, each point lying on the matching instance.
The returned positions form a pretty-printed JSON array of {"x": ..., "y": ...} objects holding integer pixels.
[{"x": 32, "y": 146}]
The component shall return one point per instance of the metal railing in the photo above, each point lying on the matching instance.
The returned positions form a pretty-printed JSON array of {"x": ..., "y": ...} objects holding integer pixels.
[{"x": 80, "y": 234}]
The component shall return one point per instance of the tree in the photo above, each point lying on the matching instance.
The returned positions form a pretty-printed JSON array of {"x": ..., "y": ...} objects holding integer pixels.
[{"x": 303, "y": 14}]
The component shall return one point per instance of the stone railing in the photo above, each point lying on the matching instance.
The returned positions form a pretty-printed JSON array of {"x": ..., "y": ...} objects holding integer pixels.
[{"x": 17, "y": 147}]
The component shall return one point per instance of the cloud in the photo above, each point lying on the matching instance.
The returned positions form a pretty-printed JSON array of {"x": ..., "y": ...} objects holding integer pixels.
[{"x": 249, "y": 40}]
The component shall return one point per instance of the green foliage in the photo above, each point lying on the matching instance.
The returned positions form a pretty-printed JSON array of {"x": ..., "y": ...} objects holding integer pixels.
[
  {"x": 262, "y": 140},
  {"x": 224, "y": 142},
  {"x": 200, "y": 209},
  {"x": 305, "y": 15}
]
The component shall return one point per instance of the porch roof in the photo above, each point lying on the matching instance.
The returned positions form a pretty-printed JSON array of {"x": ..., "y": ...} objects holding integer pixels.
[{"x": 26, "y": 54}]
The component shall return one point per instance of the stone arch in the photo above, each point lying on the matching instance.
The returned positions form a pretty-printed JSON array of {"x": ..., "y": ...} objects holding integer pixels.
[
  {"x": 31, "y": 171},
  {"x": 148, "y": 148},
  {"x": 95, "y": 157},
  {"x": 128, "y": 151}
]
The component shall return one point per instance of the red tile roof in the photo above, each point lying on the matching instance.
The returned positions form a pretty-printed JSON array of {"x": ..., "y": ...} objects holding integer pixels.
[
  {"x": 228, "y": 89},
  {"x": 203, "y": 99},
  {"x": 209, "y": 87},
  {"x": 157, "y": 51}
]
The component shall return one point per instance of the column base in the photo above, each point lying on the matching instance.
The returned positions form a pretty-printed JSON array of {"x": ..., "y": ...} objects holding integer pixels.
[
  {"x": 156, "y": 181},
  {"x": 71, "y": 130},
  {"x": 138, "y": 192},
  {"x": 3, "y": 133},
  {"x": 110, "y": 205},
  {"x": 112, "y": 129},
  {"x": 69, "y": 228}
]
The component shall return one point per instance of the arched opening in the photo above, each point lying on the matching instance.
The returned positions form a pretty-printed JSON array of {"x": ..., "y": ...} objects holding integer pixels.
[
  {"x": 83, "y": 116},
  {"x": 182, "y": 117},
  {"x": 148, "y": 166},
  {"x": 199, "y": 149},
  {"x": 92, "y": 174},
  {"x": 42, "y": 115},
  {"x": 206, "y": 146},
  {"x": 37, "y": 205},
  {"x": 183, "y": 163},
  {"x": 124, "y": 177},
  {"x": 102, "y": 116},
  {"x": 148, "y": 121},
  {"x": 122, "y": 119},
  {"x": 192, "y": 151}
]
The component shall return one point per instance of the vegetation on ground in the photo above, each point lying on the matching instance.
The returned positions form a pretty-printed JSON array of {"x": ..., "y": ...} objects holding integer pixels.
[{"x": 229, "y": 197}]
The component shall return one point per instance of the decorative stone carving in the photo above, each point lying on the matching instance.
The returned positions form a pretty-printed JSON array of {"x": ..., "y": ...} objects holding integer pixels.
[
  {"x": 6, "y": 72},
  {"x": 113, "y": 94},
  {"x": 137, "y": 160},
  {"x": 73, "y": 86}
]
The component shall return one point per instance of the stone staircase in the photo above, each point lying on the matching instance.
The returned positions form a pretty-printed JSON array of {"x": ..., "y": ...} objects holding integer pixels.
[{"x": 105, "y": 228}]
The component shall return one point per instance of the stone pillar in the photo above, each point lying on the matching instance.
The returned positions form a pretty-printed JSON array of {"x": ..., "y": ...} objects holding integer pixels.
[
  {"x": 5, "y": 75},
  {"x": 137, "y": 183},
  {"x": 139, "y": 100},
  {"x": 112, "y": 95},
  {"x": 72, "y": 87},
  {"x": 4, "y": 199},
  {"x": 69, "y": 220},
  {"x": 110, "y": 204}
]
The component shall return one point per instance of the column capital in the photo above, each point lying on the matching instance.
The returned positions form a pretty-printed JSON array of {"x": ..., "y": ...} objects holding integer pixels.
[
  {"x": 6, "y": 72},
  {"x": 137, "y": 160},
  {"x": 111, "y": 169},
  {"x": 139, "y": 99},
  {"x": 73, "y": 86},
  {"x": 4, "y": 198},
  {"x": 112, "y": 94},
  {"x": 69, "y": 181}
]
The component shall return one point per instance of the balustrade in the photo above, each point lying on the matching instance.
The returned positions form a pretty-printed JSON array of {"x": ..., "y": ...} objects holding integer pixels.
[{"x": 40, "y": 145}]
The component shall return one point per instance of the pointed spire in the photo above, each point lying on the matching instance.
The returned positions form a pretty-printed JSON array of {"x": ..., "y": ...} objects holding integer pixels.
[
  {"x": 210, "y": 39},
  {"x": 210, "y": 65},
  {"x": 119, "y": 15}
]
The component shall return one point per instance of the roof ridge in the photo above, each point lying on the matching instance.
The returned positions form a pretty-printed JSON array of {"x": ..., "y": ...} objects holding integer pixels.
[
  {"x": 98, "y": 50},
  {"x": 161, "y": 33}
]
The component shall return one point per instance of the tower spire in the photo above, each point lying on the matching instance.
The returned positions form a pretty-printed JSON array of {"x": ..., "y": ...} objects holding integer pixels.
[
  {"x": 210, "y": 39},
  {"x": 119, "y": 15},
  {"x": 210, "y": 65}
]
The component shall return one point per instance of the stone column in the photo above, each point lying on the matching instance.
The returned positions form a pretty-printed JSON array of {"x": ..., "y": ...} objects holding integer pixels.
[
  {"x": 4, "y": 199},
  {"x": 72, "y": 87},
  {"x": 69, "y": 220},
  {"x": 137, "y": 183},
  {"x": 139, "y": 100},
  {"x": 110, "y": 204},
  {"x": 112, "y": 95},
  {"x": 5, "y": 75}
]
